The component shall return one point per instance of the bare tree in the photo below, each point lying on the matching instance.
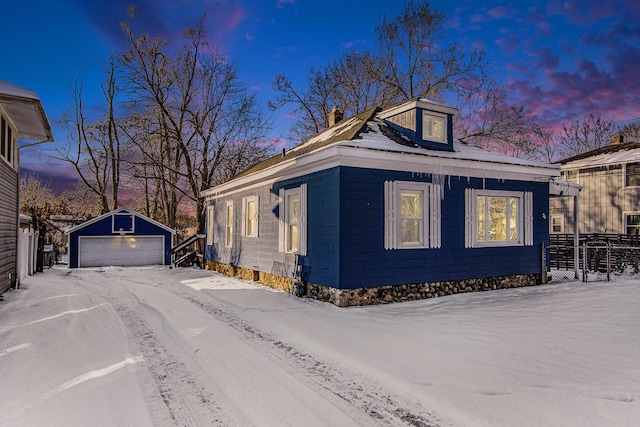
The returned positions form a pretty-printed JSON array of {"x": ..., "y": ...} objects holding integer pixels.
[
  {"x": 631, "y": 132},
  {"x": 418, "y": 59},
  {"x": 581, "y": 136},
  {"x": 94, "y": 151},
  {"x": 489, "y": 120},
  {"x": 413, "y": 59},
  {"x": 199, "y": 111}
]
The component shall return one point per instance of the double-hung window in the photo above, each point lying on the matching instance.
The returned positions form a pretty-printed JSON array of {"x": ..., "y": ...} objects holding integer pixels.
[
  {"x": 498, "y": 218},
  {"x": 229, "y": 225},
  {"x": 210, "y": 225},
  {"x": 412, "y": 215},
  {"x": 250, "y": 210},
  {"x": 434, "y": 127},
  {"x": 632, "y": 223},
  {"x": 632, "y": 175},
  {"x": 293, "y": 220},
  {"x": 557, "y": 224}
]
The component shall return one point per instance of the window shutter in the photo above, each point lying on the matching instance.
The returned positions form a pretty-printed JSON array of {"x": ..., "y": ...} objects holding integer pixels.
[
  {"x": 257, "y": 216},
  {"x": 281, "y": 224},
  {"x": 302, "y": 248},
  {"x": 209, "y": 225},
  {"x": 390, "y": 226},
  {"x": 469, "y": 202},
  {"x": 528, "y": 218},
  {"x": 435, "y": 230},
  {"x": 244, "y": 216}
]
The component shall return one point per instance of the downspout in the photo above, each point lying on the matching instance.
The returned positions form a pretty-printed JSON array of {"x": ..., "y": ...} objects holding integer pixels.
[{"x": 576, "y": 238}]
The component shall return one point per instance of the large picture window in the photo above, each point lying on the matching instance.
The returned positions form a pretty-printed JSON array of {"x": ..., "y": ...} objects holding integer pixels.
[
  {"x": 293, "y": 220},
  {"x": 498, "y": 218},
  {"x": 412, "y": 215}
]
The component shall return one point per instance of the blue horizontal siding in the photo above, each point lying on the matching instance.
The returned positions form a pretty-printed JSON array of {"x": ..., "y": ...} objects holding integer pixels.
[{"x": 364, "y": 261}]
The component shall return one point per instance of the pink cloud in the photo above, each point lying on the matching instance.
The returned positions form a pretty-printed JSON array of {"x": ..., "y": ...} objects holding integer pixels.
[{"x": 497, "y": 12}]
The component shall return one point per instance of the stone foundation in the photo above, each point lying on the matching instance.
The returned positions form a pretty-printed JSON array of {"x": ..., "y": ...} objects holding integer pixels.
[{"x": 380, "y": 294}]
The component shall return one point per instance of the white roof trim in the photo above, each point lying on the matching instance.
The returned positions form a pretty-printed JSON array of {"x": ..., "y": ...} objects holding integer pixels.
[
  {"x": 424, "y": 104},
  {"x": 24, "y": 109},
  {"x": 117, "y": 211}
]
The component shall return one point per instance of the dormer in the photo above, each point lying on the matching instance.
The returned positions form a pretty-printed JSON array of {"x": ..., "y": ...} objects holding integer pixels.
[{"x": 428, "y": 124}]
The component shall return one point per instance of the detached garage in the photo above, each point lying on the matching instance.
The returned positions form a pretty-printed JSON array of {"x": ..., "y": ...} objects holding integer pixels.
[{"x": 120, "y": 238}]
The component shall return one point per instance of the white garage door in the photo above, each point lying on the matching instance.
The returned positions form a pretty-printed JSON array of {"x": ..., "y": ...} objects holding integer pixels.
[{"x": 120, "y": 251}]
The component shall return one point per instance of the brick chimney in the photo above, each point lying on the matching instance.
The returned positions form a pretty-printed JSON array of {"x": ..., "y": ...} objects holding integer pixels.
[
  {"x": 335, "y": 116},
  {"x": 617, "y": 139}
]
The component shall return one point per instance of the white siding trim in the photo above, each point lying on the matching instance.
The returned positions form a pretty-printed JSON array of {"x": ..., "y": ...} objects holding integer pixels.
[
  {"x": 302, "y": 244},
  {"x": 281, "y": 224},
  {"x": 528, "y": 218}
]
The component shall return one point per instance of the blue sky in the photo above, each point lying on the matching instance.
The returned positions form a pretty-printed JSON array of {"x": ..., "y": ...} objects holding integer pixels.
[{"x": 562, "y": 59}]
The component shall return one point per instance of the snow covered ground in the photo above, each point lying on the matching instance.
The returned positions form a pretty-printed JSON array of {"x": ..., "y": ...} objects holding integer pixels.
[{"x": 161, "y": 347}]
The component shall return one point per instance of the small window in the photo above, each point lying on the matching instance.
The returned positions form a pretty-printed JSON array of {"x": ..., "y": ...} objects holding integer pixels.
[
  {"x": 3, "y": 137},
  {"x": 412, "y": 215},
  {"x": 557, "y": 224},
  {"x": 122, "y": 223},
  {"x": 632, "y": 223},
  {"x": 632, "y": 175},
  {"x": 229, "y": 225},
  {"x": 250, "y": 209},
  {"x": 498, "y": 218},
  {"x": 210, "y": 225},
  {"x": 434, "y": 127},
  {"x": 293, "y": 214}
]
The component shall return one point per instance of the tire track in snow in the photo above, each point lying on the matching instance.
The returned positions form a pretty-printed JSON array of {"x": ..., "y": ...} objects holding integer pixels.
[
  {"x": 381, "y": 406},
  {"x": 189, "y": 398}
]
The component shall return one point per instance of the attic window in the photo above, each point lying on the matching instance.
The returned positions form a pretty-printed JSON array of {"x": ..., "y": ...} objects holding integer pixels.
[
  {"x": 434, "y": 127},
  {"x": 122, "y": 223}
]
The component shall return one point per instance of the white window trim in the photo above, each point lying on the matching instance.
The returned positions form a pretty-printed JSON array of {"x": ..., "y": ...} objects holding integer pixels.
[
  {"x": 624, "y": 182},
  {"x": 625, "y": 216},
  {"x": 245, "y": 213},
  {"x": 228, "y": 225},
  {"x": 283, "y": 234},
  {"x": 210, "y": 225},
  {"x": 113, "y": 223},
  {"x": 9, "y": 142},
  {"x": 427, "y": 113},
  {"x": 431, "y": 214},
  {"x": 551, "y": 218},
  {"x": 525, "y": 219}
]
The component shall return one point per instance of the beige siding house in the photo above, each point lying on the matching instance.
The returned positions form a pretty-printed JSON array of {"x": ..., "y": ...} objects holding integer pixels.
[{"x": 610, "y": 198}]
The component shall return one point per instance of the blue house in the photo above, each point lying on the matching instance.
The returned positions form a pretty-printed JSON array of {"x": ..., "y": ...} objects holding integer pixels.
[
  {"x": 121, "y": 237},
  {"x": 384, "y": 206}
]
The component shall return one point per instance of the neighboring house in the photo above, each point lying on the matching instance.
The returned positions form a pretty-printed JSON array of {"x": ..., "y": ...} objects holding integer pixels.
[
  {"x": 22, "y": 117},
  {"x": 384, "y": 206},
  {"x": 610, "y": 198},
  {"x": 121, "y": 237}
]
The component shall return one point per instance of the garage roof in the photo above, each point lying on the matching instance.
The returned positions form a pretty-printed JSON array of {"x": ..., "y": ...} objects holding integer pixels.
[{"x": 117, "y": 211}]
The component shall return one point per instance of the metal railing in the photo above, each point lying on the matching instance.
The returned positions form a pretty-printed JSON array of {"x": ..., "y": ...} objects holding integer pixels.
[{"x": 598, "y": 255}]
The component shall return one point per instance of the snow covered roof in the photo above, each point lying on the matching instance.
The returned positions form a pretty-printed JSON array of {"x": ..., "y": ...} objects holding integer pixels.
[
  {"x": 25, "y": 112},
  {"x": 367, "y": 140},
  {"x": 616, "y": 153}
]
